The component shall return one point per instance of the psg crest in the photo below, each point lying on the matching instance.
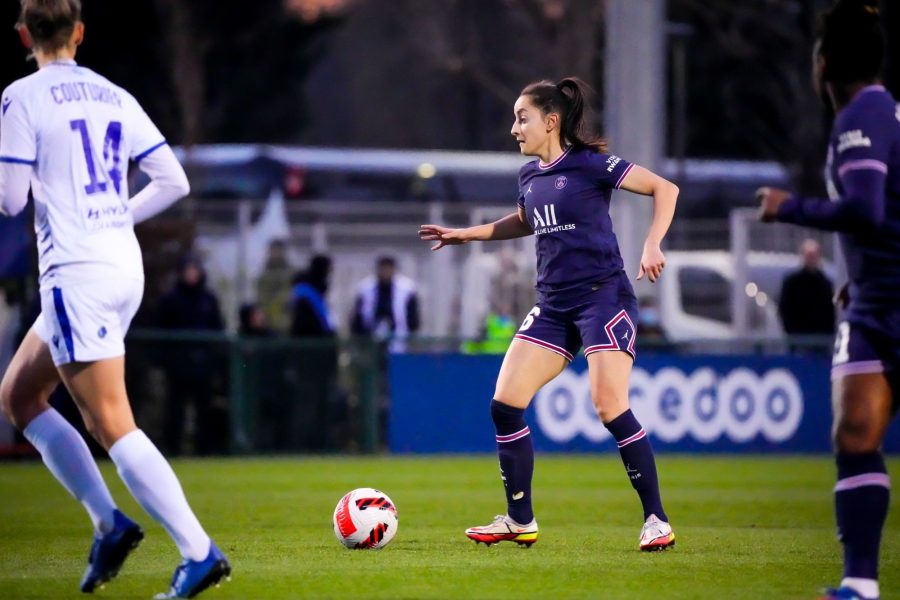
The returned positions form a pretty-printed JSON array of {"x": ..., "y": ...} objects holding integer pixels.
[{"x": 561, "y": 182}]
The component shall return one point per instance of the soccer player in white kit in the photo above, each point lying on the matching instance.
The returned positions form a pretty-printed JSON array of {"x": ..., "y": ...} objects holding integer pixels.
[{"x": 67, "y": 134}]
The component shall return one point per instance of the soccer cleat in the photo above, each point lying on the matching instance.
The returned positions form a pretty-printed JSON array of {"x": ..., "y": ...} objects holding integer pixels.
[
  {"x": 504, "y": 529},
  {"x": 656, "y": 535},
  {"x": 109, "y": 551},
  {"x": 843, "y": 593},
  {"x": 193, "y": 576}
]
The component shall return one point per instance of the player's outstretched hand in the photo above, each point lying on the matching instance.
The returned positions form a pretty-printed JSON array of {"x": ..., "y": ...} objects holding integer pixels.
[
  {"x": 842, "y": 296},
  {"x": 770, "y": 200},
  {"x": 444, "y": 236},
  {"x": 652, "y": 262}
]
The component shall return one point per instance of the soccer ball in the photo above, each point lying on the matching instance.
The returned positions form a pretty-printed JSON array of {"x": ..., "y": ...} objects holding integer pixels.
[{"x": 365, "y": 519}]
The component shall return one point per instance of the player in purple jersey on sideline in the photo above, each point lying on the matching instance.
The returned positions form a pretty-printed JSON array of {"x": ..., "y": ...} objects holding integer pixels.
[
  {"x": 584, "y": 297},
  {"x": 863, "y": 179}
]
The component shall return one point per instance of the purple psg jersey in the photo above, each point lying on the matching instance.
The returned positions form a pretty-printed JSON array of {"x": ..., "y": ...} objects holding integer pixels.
[
  {"x": 566, "y": 204},
  {"x": 865, "y": 141}
]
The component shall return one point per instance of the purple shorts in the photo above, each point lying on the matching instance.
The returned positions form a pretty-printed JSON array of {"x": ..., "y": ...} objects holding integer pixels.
[
  {"x": 867, "y": 344},
  {"x": 601, "y": 318}
]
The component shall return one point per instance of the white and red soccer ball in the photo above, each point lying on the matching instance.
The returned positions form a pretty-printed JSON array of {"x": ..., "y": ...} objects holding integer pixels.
[{"x": 365, "y": 519}]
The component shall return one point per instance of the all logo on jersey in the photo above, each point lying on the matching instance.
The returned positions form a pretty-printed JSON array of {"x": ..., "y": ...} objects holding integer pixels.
[
  {"x": 546, "y": 222},
  {"x": 549, "y": 217},
  {"x": 560, "y": 182}
]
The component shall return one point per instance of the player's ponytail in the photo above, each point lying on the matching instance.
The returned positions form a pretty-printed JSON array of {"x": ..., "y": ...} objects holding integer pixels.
[
  {"x": 567, "y": 98},
  {"x": 851, "y": 42},
  {"x": 574, "y": 128},
  {"x": 49, "y": 22}
]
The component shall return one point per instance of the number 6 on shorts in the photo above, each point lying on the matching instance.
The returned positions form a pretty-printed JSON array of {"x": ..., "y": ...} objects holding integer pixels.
[{"x": 529, "y": 319}]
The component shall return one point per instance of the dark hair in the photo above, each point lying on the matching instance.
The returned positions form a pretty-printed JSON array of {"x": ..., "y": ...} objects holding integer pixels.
[
  {"x": 50, "y": 22},
  {"x": 386, "y": 261},
  {"x": 566, "y": 98},
  {"x": 851, "y": 42}
]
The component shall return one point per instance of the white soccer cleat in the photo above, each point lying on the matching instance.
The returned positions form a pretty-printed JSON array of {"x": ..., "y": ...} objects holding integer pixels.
[
  {"x": 656, "y": 534},
  {"x": 504, "y": 529}
]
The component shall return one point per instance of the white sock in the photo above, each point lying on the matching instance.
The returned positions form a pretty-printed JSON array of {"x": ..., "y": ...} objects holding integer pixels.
[
  {"x": 67, "y": 456},
  {"x": 867, "y": 587},
  {"x": 154, "y": 485}
]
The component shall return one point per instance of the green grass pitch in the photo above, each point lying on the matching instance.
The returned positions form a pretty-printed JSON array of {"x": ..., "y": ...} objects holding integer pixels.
[{"x": 747, "y": 527}]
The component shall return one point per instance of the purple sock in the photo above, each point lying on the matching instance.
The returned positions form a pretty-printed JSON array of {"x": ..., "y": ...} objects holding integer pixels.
[
  {"x": 637, "y": 455},
  {"x": 861, "y": 498},
  {"x": 516, "y": 459}
]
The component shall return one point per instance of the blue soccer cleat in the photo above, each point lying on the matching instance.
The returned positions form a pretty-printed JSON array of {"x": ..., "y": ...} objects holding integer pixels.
[
  {"x": 193, "y": 576},
  {"x": 109, "y": 551},
  {"x": 843, "y": 593}
]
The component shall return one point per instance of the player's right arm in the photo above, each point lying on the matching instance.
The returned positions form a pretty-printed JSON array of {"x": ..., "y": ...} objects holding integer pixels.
[
  {"x": 18, "y": 154},
  {"x": 513, "y": 225}
]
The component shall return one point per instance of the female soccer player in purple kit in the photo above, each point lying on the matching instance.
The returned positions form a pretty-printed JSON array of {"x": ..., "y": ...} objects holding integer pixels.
[
  {"x": 584, "y": 297},
  {"x": 863, "y": 181}
]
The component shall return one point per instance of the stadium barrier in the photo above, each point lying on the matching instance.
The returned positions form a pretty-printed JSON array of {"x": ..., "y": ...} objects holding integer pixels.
[{"x": 699, "y": 403}]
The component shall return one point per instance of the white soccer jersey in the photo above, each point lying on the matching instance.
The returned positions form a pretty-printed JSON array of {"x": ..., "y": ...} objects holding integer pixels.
[{"x": 79, "y": 131}]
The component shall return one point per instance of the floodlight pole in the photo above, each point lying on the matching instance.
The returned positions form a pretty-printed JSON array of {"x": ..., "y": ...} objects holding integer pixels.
[{"x": 634, "y": 111}]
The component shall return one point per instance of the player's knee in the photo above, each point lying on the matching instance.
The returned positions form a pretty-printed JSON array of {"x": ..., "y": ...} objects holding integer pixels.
[
  {"x": 106, "y": 427},
  {"x": 608, "y": 405},
  {"x": 93, "y": 428},
  {"x": 6, "y": 400},
  {"x": 16, "y": 402},
  {"x": 856, "y": 436}
]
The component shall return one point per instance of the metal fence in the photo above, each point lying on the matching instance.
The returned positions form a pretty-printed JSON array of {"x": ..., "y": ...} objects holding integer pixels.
[{"x": 201, "y": 393}]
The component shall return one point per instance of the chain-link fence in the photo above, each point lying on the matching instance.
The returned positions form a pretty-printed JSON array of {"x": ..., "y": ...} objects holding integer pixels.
[{"x": 201, "y": 393}]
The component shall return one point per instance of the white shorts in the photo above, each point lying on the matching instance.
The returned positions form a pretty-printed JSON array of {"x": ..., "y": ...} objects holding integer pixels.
[{"x": 88, "y": 322}]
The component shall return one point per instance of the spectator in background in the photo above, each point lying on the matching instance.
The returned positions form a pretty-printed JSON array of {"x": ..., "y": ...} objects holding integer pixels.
[
  {"x": 311, "y": 317},
  {"x": 649, "y": 325},
  {"x": 386, "y": 305},
  {"x": 273, "y": 288},
  {"x": 253, "y": 321},
  {"x": 190, "y": 366},
  {"x": 387, "y": 310},
  {"x": 805, "y": 304},
  {"x": 315, "y": 423}
]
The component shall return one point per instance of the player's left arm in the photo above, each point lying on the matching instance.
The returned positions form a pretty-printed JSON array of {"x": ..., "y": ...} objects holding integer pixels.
[
  {"x": 862, "y": 168},
  {"x": 168, "y": 181},
  {"x": 18, "y": 154},
  {"x": 168, "y": 184},
  {"x": 665, "y": 195}
]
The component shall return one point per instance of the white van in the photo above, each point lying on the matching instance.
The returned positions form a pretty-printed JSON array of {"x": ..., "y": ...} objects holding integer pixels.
[{"x": 696, "y": 294}]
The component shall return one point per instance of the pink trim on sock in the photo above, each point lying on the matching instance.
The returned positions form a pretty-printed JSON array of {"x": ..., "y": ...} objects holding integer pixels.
[
  {"x": 857, "y": 481},
  {"x": 629, "y": 440},
  {"x": 505, "y": 439}
]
